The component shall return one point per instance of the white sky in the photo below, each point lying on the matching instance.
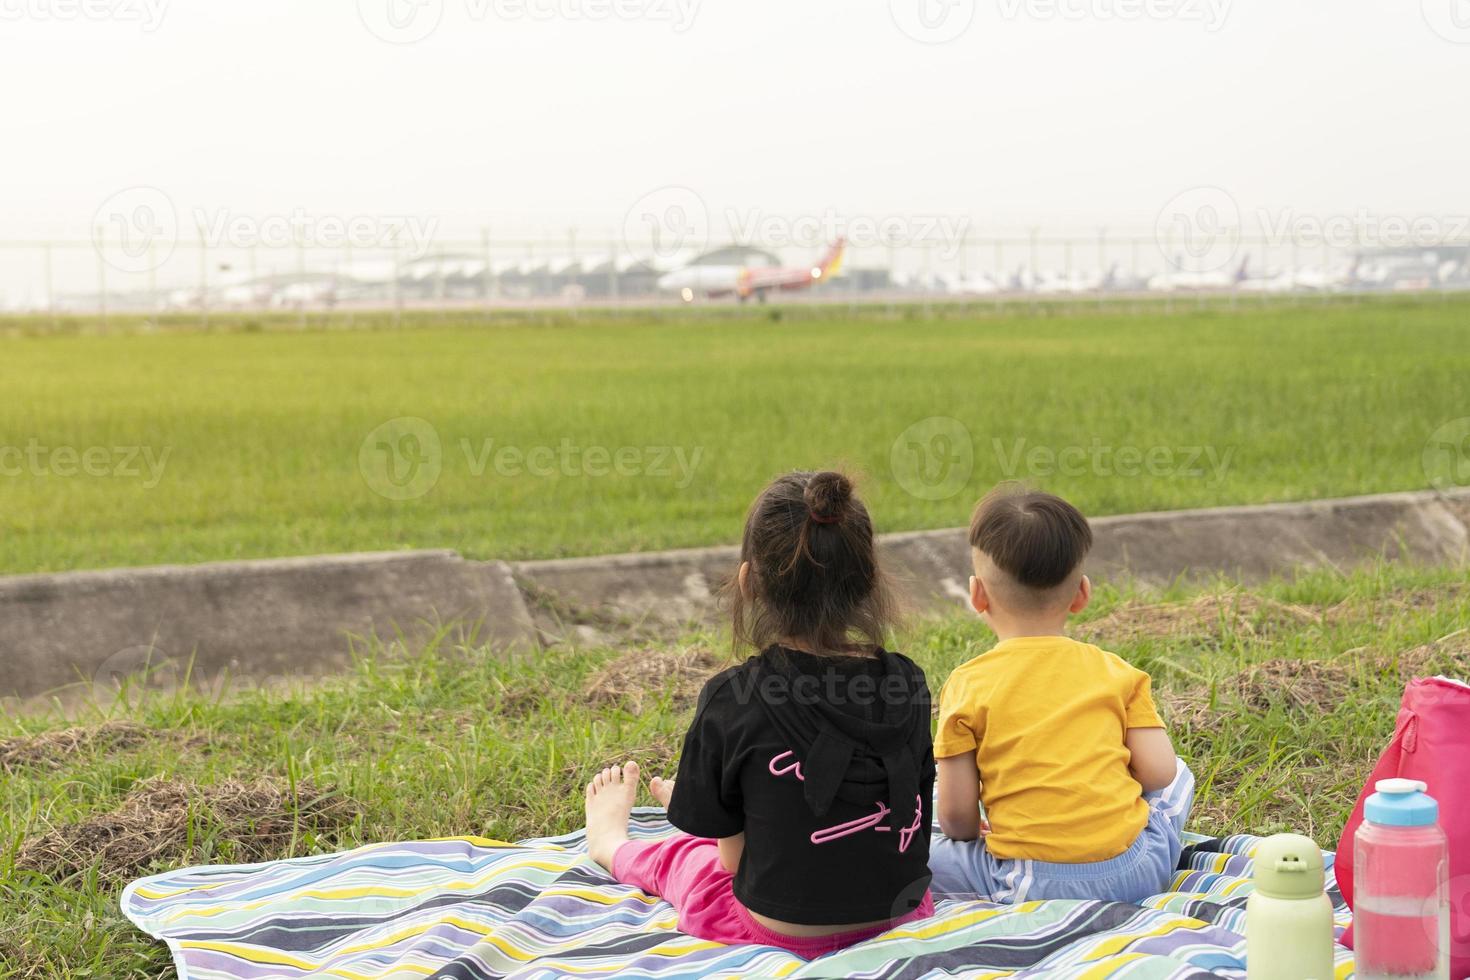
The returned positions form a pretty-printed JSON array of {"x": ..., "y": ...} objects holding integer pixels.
[{"x": 1031, "y": 116}]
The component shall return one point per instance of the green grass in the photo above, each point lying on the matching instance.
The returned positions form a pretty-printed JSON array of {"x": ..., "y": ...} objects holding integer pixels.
[
  {"x": 446, "y": 741},
  {"x": 262, "y": 428}
]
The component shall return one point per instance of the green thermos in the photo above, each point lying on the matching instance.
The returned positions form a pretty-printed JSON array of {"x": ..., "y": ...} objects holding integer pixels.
[{"x": 1288, "y": 918}]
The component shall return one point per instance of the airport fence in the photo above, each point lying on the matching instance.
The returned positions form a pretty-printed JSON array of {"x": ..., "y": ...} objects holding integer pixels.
[{"x": 114, "y": 273}]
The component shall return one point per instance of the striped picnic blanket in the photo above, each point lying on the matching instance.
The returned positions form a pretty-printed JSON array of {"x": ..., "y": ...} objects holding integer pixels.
[{"x": 470, "y": 908}]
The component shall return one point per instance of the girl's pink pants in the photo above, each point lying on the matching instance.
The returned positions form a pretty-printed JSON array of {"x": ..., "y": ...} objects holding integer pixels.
[{"x": 686, "y": 872}]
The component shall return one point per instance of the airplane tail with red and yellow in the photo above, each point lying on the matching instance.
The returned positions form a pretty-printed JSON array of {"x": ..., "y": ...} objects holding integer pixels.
[{"x": 830, "y": 266}]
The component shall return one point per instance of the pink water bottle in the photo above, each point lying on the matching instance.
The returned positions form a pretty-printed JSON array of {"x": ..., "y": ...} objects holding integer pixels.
[{"x": 1401, "y": 908}]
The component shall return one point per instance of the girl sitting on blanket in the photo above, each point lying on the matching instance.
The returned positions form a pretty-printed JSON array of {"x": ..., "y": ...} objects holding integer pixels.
[{"x": 804, "y": 788}]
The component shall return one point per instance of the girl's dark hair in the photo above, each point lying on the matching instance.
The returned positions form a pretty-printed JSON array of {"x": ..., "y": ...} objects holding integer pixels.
[{"x": 814, "y": 574}]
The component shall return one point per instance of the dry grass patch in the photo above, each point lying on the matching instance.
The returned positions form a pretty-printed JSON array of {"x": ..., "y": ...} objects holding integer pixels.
[
  {"x": 638, "y": 679},
  {"x": 520, "y": 702},
  {"x": 1397, "y": 603},
  {"x": 52, "y": 750},
  {"x": 1448, "y": 655},
  {"x": 1304, "y": 684},
  {"x": 1206, "y": 618},
  {"x": 164, "y": 820},
  {"x": 1192, "y": 709}
]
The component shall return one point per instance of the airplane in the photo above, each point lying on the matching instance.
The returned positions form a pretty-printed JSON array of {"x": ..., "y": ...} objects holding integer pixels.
[
  {"x": 973, "y": 284},
  {"x": 1339, "y": 276},
  {"x": 1050, "y": 282},
  {"x": 743, "y": 282},
  {"x": 1119, "y": 281},
  {"x": 1023, "y": 280},
  {"x": 1271, "y": 282},
  {"x": 1306, "y": 279},
  {"x": 1078, "y": 282},
  {"x": 1182, "y": 279}
]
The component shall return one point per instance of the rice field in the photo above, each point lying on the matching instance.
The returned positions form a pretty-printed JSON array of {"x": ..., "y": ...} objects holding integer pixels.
[{"x": 556, "y": 434}]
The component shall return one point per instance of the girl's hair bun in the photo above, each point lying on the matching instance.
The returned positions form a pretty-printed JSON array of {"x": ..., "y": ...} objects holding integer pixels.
[{"x": 827, "y": 496}]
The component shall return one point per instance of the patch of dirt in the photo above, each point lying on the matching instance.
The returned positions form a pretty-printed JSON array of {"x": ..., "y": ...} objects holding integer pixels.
[
  {"x": 639, "y": 678},
  {"x": 1202, "y": 619},
  {"x": 160, "y": 819},
  {"x": 52, "y": 750}
]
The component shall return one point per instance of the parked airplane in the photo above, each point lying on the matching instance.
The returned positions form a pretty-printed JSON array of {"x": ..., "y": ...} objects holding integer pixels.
[
  {"x": 973, "y": 284},
  {"x": 1119, "y": 281},
  {"x": 1306, "y": 278},
  {"x": 1339, "y": 276},
  {"x": 744, "y": 281},
  {"x": 1181, "y": 279},
  {"x": 1272, "y": 281},
  {"x": 1079, "y": 282}
]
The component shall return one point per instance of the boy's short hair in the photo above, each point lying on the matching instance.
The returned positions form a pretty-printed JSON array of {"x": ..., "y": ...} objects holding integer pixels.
[{"x": 1038, "y": 539}]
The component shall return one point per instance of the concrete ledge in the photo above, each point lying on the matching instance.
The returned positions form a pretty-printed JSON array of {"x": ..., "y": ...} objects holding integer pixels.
[
  {"x": 932, "y": 568},
  {"x": 250, "y": 619},
  {"x": 265, "y": 619},
  {"x": 1254, "y": 543}
]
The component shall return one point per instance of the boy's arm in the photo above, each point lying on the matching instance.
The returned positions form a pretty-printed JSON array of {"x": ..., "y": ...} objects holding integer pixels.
[
  {"x": 959, "y": 797},
  {"x": 1151, "y": 757}
]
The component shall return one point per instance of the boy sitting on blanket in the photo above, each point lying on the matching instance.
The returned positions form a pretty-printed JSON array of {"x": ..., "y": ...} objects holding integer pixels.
[{"x": 1084, "y": 795}]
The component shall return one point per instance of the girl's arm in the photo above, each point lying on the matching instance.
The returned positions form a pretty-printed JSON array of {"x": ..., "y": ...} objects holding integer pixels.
[
  {"x": 730, "y": 850},
  {"x": 1151, "y": 759},
  {"x": 959, "y": 797}
]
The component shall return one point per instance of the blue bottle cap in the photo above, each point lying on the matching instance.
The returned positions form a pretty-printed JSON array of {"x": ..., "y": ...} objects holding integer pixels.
[{"x": 1401, "y": 803}]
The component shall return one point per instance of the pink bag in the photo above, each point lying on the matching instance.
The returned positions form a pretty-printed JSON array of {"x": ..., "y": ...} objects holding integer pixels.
[{"x": 1431, "y": 742}]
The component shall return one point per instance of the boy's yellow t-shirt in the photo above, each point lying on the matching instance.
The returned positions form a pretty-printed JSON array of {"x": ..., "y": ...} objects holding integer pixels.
[{"x": 1045, "y": 717}]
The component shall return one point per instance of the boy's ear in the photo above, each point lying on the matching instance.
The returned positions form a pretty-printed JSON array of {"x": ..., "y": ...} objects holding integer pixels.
[
  {"x": 979, "y": 599},
  {"x": 743, "y": 577},
  {"x": 1083, "y": 596}
]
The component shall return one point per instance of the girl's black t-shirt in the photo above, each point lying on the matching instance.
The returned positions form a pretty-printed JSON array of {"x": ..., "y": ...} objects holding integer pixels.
[{"x": 859, "y": 860}]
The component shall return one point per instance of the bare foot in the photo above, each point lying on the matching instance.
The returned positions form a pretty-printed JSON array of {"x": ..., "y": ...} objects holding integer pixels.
[
  {"x": 610, "y": 798},
  {"x": 662, "y": 790}
]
